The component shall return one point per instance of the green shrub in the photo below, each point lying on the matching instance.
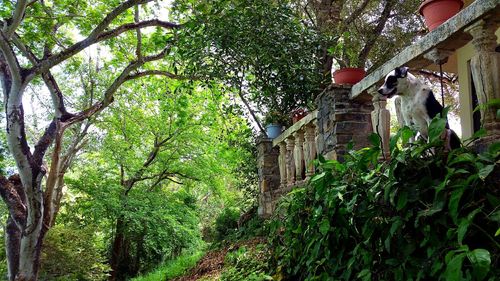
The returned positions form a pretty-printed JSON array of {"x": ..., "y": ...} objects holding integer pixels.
[
  {"x": 246, "y": 264},
  {"x": 423, "y": 215},
  {"x": 227, "y": 222},
  {"x": 71, "y": 253}
]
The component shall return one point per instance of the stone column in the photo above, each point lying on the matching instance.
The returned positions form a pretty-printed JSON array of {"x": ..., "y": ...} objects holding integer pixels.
[
  {"x": 309, "y": 149},
  {"x": 299, "y": 155},
  {"x": 282, "y": 164},
  {"x": 342, "y": 120},
  {"x": 269, "y": 177},
  {"x": 290, "y": 162},
  {"x": 485, "y": 68},
  {"x": 381, "y": 120}
]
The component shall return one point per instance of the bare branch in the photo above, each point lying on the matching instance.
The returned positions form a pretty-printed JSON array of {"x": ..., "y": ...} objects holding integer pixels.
[
  {"x": 77, "y": 47},
  {"x": 57, "y": 96},
  {"x": 356, "y": 13},
  {"x": 157, "y": 72},
  {"x": 13, "y": 196},
  {"x": 10, "y": 57},
  {"x": 139, "y": 35},
  {"x": 17, "y": 18},
  {"x": 45, "y": 141},
  {"x": 363, "y": 55},
  {"x": 110, "y": 91},
  {"x": 24, "y": 50}
]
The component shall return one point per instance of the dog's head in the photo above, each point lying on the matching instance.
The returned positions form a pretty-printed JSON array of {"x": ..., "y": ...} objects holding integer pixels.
[{"x": 395, "y": 82}]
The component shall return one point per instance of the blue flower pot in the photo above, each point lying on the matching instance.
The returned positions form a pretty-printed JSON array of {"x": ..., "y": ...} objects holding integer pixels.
[{"x": 273, "y": 130}]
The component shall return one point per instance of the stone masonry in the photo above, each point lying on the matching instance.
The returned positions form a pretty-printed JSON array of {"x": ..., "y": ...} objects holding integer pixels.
[
  {"x": 269, "y": 175},
  {"x": 341, "y": 120}
]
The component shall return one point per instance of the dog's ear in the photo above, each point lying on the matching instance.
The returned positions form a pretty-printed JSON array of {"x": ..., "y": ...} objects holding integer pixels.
[{"x": 402, "y": 71}]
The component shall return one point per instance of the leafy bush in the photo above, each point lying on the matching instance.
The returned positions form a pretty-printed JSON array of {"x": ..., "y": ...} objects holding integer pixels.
[
  {"x": 249, "y": 264},
  {"x": 227, "y": 222},
  {"x": 71, "y": 253},
  {"x": 423, "y": 215}
]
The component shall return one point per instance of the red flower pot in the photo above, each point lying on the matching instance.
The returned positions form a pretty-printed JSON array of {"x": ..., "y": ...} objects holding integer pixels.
[
  {"x": 436, "y": 12},
  {"x": 348, "y": 75}
]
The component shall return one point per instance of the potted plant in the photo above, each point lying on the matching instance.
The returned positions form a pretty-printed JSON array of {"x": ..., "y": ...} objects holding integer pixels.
[
  {"x": 349, "y": 73},
  {"x": 435, "y": 12},
  {"x": 274, "y": 122},
  {"x": 298, "y": 114}
]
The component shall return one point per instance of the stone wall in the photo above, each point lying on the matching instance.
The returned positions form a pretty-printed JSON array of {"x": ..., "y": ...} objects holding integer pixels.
[
  {"x": 342, "y": 120},
  {"x": 269, "y": 175}
]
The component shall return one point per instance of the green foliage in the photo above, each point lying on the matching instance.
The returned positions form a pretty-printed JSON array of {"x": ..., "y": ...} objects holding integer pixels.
[
  {"x": 259, "y": 48},
  {"x": 276, "y": 118},
  {"x": 249, "y": 264},
  {"x": 423, "y": 215},
  {"x": 72, "y": 253},
  {"x": 173, "y": 268},
  {"x": 227, "y": 222}
]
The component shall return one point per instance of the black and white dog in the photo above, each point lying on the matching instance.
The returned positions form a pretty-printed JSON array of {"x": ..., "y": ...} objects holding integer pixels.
[{"x": 418, "y": 104}]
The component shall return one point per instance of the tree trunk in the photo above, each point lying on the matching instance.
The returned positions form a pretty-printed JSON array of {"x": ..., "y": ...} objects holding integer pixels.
[
  {"x": 24, "y": 232},
  {"x": 22, "y": 194},
  {"x": 116, "y": 251}
]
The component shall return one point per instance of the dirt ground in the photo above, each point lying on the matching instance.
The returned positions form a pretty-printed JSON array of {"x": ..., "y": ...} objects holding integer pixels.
[{"x": 211, "y": 265}]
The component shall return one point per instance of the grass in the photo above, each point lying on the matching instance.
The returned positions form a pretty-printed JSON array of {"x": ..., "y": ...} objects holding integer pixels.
[{"x": 173, "y": 268}]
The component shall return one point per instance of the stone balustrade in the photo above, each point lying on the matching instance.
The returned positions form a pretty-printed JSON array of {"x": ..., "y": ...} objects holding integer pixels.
[
  {"x": 297, "y": 150},
  {"x": 286, "y": 162}
]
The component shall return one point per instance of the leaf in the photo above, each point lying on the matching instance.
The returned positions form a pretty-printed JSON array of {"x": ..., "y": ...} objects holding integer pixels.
[
  {"x": 461, "y": 158},
  {"x": 436, "y": 128},
  {"x": 455, "y": 197},
  {"x": 365, "y": 275},
  {"x": 485, "y": 171},
  {"x": 497, "y": 233},
  {"x": 317, "y": 177},
  {"x": 402, "y": 200},
  {"x": 481, "y": 261},
  {"x": 464, "y": 225},
  {"x": 406, "y": 134},
  {"x": 494, "y": 148},
  {"x": 324, "y": 226},
  {"x": 453, "y": 270},
  {"x": 374, "y": 140}
]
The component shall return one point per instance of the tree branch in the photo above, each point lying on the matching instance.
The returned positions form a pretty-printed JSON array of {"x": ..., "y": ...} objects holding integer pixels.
[
  {"x": 363, "y": 55},
  {"x": 139, "y": 35},
  {"x": 10, "y": 57},
  {"x": 77, "y": 47},
  {"x": 13, "y": 195},
  {"x": 17, "y": 18},
  {"x": 356, "y": 13},
  {"x": 156, "y": 72},
  {"x": 110, "y": 91}
]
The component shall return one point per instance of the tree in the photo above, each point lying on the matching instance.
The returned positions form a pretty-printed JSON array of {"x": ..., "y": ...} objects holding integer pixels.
[
  {"x": 377, "y": 29},
  {"x": 35, "y": 39},
  {"x": 258, "y": 49},
  {"x": 159, "y": 148}
]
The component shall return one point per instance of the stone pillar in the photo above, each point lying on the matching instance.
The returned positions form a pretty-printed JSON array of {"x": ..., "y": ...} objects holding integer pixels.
[
  {"x": 381, "y": 120},
  {"x": 290, "y": 162},
  {"x": 485, "y": 68},
  {"x": 299, "y": 155},
  {"x": 282, "y": 164},
  {"x": 269, "y": 177},
  {"x": 342, "y": 120},
  {"x": 309, "y": 149}
]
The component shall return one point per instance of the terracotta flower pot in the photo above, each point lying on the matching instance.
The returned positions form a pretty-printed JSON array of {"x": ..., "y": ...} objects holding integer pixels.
[
  {"x": 348, "y": 75},
  {"x": 436, "y": 12}
]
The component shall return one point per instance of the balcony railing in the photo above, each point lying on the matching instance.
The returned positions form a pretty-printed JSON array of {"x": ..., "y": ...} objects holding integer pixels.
[{"x": 297, "y": 150}]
